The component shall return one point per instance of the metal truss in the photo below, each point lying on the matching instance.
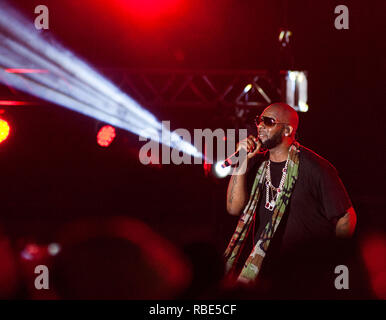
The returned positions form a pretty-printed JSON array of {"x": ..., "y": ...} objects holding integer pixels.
[
  {"x": 168, "y": 88},
  {"x": 196, "y": 88}
]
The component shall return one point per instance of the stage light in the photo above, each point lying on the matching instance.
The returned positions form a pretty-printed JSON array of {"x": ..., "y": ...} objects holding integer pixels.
[
  {"x": 26, "y": 70},
  {"x": 247, "y": 88},
  {"x": 14, "y": 103},
  {"x": 303, "y": 107},
  {"x": 281, "y": 35},
  {"x": 105, "y": 136},
  {"x": 284, "y": 37},
  {"x": 151, "y": 9},
  {"x": 294, "y": 87},
  {"x": 221, "y": 172},
  {"x": 4, "y": 130},
  {"x": 31, "y": 252},
  {"x": 292, "y": 75},
  {"x": 53, "y": 249},
  {"x": 70, "y": 82}
]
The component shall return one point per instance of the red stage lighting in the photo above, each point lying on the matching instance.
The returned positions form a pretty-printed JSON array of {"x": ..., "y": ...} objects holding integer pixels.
[
  {"x": 106, "y": 135},
  {"x": 373, "y": 252},
  {"x": 14, "y": 103},
  {"x": 4, "y": 130},
  {"x": 151, "y": 9},
  {"x": 26, "y": 71}
]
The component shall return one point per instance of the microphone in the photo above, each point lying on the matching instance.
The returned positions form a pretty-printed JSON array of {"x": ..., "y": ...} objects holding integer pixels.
[{"x": 233, "y": 159}]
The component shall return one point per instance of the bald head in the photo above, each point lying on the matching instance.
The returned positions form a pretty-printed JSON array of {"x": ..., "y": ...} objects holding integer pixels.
[{"x": 283, "y": 113}]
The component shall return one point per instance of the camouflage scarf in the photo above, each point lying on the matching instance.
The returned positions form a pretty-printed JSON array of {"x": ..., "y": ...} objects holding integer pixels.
[{"x": 253, "y": 264}]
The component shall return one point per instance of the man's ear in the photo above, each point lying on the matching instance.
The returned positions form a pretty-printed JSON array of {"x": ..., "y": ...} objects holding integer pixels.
[{"x": 288, "y": 130}]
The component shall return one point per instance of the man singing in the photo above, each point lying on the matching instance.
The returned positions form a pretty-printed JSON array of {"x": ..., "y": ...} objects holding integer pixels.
[{"x": 293, "y": 203}]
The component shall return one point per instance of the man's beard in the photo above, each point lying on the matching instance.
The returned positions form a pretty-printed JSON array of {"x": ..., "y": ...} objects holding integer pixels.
[{"x": 274, "y": 141}]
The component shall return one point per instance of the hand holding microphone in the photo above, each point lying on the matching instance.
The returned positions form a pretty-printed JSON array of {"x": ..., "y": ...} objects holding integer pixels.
[{"x": 251, "y": 144}]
